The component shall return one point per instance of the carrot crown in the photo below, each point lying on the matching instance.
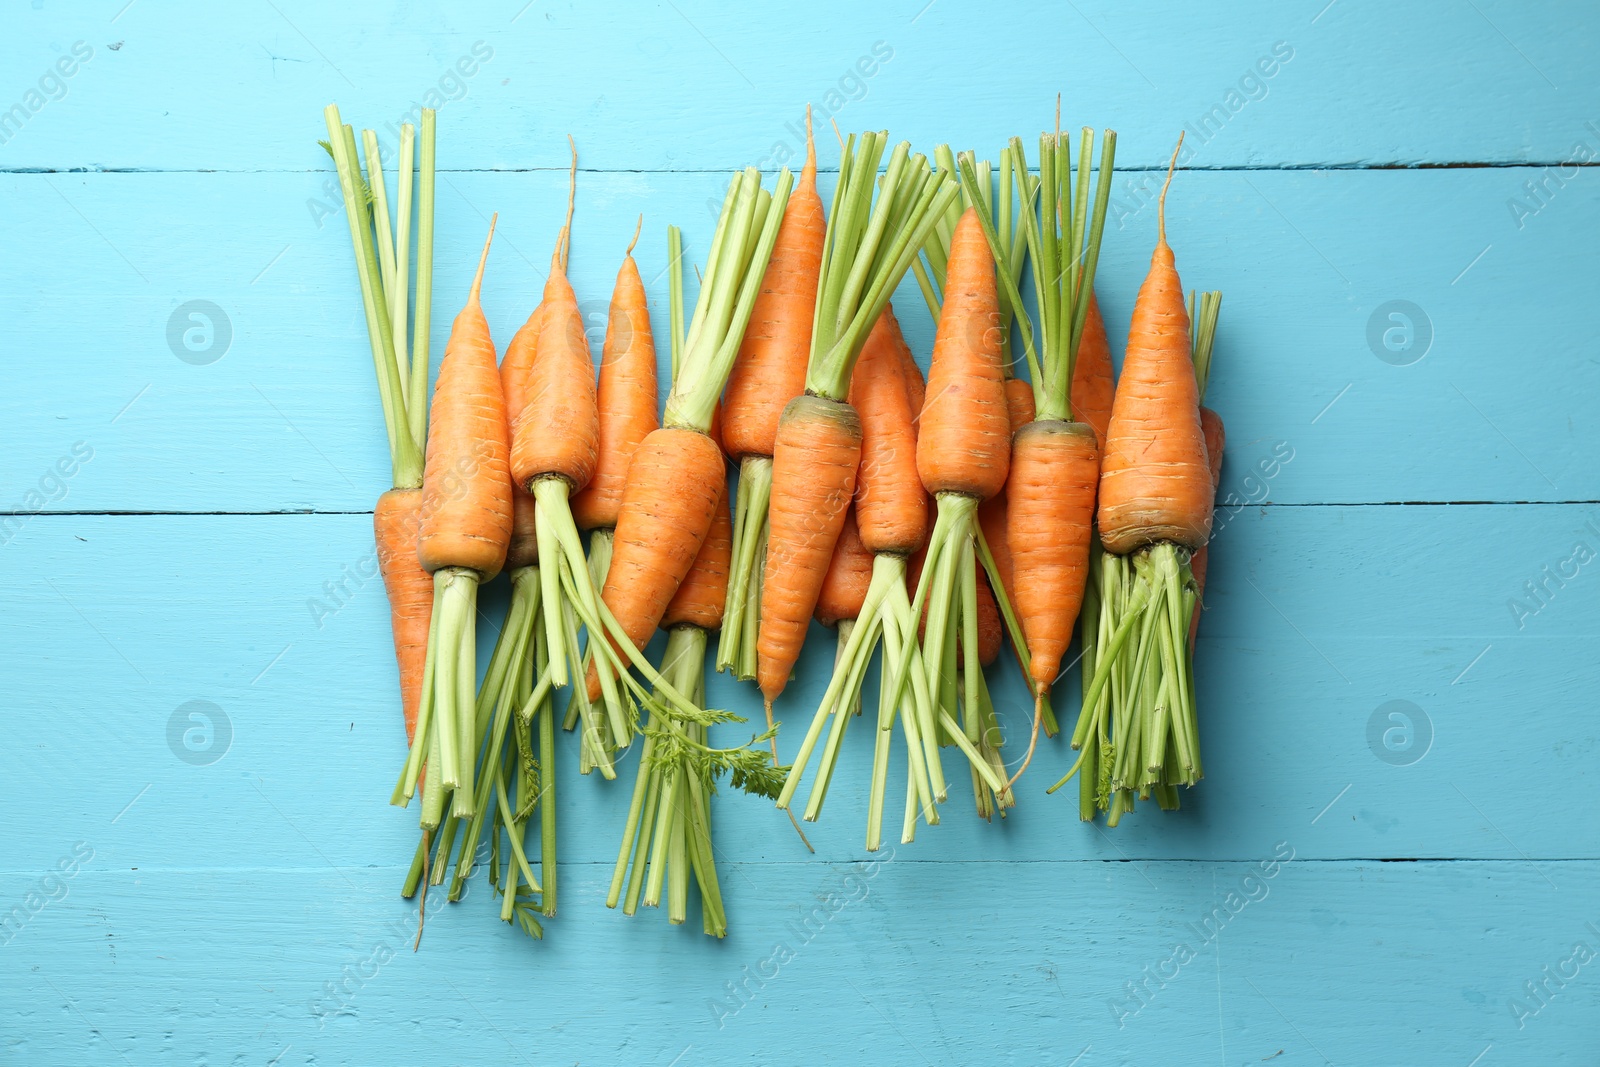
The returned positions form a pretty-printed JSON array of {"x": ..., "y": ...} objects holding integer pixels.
[
  {"x": 740, "y": 248},
  {"x": 1063, "y": 219},
  {"x": 383, "y": 265},
  {"x": 868, "y": 249}
]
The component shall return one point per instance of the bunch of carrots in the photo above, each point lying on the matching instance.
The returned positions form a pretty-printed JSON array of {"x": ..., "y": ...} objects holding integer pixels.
[{"x": 926, "y": 522}]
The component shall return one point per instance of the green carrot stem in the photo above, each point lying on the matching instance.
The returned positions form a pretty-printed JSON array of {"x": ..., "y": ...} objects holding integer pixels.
[
  {"x": 422, "y": 320},
  {"x": 405, "y": 454}
]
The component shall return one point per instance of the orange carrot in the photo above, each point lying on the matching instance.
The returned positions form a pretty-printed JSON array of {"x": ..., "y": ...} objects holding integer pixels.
[
  {"x": 771, "y": 368},
  {"x": 769, "y": 372},
  {"x": 1092, "y": 385},
  {"x": 891, "y": 505},
  {"x": 849, "y": 574},
  {"x": 463, "y": 534},
  {"x": 1054, "y": 468},
  {"x": 818, "y": 449},
  {"x": 702, "y": 594},
  {"x": 674, "y": 484},
  {"x": 1020, "y": 408},
  {"x": 410, "y": 590},
  {"x": 1155, "y": 481},
  {"x": 1156, "y": 490},
  {"x": 520, "y": 354},
  {"x": 558, "y": 429},
  {"x": 963, "y": 456},
  {"x": 964, "y": 438},
  {"x": 864, "y": 591},
  {"x": 466, "y": 491},
  {"x": 626, "y": 398},
  {"x": 813, "y": 480},
  {"x": 677, "y": 475},
  {"x": 1050, "y": 497}
]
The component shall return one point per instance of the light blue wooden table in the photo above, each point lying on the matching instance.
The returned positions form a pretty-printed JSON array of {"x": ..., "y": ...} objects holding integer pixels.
[{"x": 1345, "y": 887}]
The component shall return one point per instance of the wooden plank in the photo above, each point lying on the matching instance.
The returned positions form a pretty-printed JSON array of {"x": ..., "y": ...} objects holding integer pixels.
[
  {"x": 1319, "y": 618},
  {"x": 1275, "y": 959},
  {"x": 190, "y": 86},
  {"x": 286, "y": 417}
]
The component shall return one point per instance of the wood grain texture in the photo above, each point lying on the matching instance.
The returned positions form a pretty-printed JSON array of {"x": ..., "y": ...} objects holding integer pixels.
[{"x": 203, "y": 719}]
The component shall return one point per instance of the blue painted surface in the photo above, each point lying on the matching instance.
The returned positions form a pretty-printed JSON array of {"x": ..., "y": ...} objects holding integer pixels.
[{"x": 245, "y": 910}]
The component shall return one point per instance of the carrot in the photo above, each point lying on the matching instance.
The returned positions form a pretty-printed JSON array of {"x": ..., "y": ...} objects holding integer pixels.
[
  {"x": 464, "y": 530},
  {"x": 523, "y": 550},
  {"x": 382, "y": 267},
  {"x": 1092, "y": 383},
  {"x": 814, "y": 478},
  {"x": 845, "y": 583},
  {"x": 1156, "y": 491},
  {"x": 626, "y": 398},
  {"x": 518, "y": 659},
  {"x": 1055, "y": 467},
  {"x": 677, "y": 474},
  {"x": 410, "y": 591},
  {"x": 770, "y": 371},
  {"x": 1050, "y": 491},
  {"x": 667, "y": 836},
  {"x": 1156, "y": 482},
  {"x": 818, "y": 445},
  {"x": 668, "y": 505},
  {"x": 865, "y": 586}
]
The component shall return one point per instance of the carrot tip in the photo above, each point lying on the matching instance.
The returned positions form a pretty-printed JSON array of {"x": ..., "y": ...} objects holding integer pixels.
[
  {"x": 477, "y": 279},
  {"x": 1161, "y": 210}
]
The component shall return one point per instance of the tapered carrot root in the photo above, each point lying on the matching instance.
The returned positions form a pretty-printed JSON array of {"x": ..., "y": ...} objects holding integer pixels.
[
  {"x": 844, "y": 586},
  {"x": 891, "y": 510},
  {"x": 703, "y": 593},
  {"x": 558, "y": 430},
  {"x": 1155, "y": 482},
  {"x": 1050, "y": 500},
  {"x": 626, "y": 399},
  {"x": 674, "y": 483},
  {"x": 1093, "y": 389},
  {"x": 813, "y": 480},
  {"x": 410, "y": 590}
]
